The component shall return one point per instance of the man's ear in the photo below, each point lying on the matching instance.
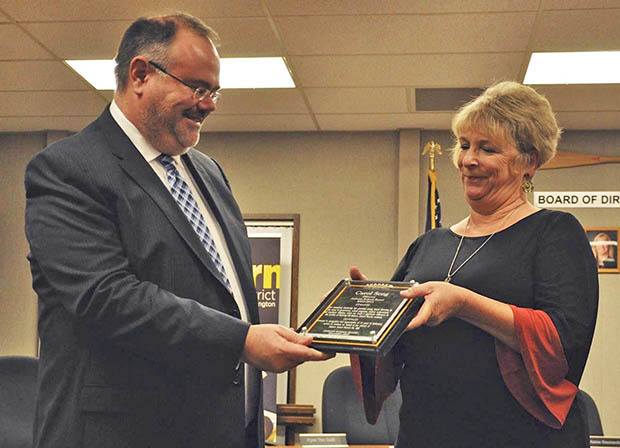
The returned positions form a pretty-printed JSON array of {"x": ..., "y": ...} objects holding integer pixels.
[{"x": 139, "y": 73}]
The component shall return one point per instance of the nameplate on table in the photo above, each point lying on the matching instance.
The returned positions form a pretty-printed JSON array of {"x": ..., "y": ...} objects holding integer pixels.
[
  {"x": 605, "y": 441},
  {"x": 332, "y": 440}
]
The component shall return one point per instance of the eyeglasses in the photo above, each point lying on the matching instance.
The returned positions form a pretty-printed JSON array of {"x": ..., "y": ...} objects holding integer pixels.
[{"x": 200, "y": 93}]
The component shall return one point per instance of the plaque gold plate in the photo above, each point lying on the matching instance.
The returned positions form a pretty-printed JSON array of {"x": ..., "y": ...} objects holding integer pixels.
[{"x": 361, "y": 316}]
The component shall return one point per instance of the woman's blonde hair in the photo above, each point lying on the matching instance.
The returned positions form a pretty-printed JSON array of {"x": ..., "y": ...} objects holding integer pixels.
[{"x": 514, "y": 112}]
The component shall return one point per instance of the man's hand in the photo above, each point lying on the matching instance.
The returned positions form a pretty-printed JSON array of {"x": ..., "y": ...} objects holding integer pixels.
[{"x": 277, "y": 349}]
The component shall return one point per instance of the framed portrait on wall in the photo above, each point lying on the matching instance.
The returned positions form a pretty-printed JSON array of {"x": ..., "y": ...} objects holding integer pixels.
[{"x": 604, "y": 243}]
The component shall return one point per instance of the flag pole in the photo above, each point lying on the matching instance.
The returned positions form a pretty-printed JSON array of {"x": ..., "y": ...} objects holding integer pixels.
[
  {"x": 433, "y": 207},
  {"x": 432, "y": 149}
]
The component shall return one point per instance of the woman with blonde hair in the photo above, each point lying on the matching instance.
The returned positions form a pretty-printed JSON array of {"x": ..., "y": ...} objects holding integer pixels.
[{"x": 495, "y": 355}]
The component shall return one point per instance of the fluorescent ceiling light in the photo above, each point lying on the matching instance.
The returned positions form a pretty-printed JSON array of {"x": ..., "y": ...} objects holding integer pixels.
[
  {"x": 236, "y": 73},
  {"x": 255, "y": 73},
  {"x": 585, "y": 67},
  {"x": 99, "y": 73}
]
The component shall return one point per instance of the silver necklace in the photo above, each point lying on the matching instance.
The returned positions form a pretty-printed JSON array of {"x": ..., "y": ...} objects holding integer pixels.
[{"x": 458, "y": 248}]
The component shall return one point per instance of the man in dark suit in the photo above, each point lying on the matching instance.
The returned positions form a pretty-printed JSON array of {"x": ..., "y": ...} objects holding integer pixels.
[{"x": 147, "y": 313}]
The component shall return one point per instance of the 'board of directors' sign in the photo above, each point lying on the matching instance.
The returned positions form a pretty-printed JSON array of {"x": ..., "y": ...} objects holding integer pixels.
[{"x": 577, "y": 199}]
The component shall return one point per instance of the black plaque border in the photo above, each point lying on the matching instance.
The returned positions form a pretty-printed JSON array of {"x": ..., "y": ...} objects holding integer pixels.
[{"x": 386, "y": 340}]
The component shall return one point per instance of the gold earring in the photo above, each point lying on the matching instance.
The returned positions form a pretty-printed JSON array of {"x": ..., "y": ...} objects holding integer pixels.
[{"x": 527, "y": 186}]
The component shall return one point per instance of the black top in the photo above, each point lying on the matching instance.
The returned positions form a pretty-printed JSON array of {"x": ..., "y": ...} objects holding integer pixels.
[{"x": 453, "y": 392}]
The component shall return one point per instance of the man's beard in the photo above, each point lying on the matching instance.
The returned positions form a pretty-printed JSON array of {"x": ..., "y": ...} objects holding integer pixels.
[{"x": 165, "y": 131}]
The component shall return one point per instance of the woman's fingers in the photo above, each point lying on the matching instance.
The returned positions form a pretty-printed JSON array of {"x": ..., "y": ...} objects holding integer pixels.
[
  {"x": 441, "y": 301},
  {"x": 356, "y": 274},
  {"x": 422, "y": 317},
  {"x": 417, "y": 290}
]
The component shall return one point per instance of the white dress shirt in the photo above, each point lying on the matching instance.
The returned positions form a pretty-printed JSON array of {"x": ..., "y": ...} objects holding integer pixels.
[{"x": 150, "y": 154}]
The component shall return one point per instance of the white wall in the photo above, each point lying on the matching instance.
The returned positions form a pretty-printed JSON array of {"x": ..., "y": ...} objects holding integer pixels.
[
  {"x": 344, "y": 186},
  {"x": 18, "y": 306}
]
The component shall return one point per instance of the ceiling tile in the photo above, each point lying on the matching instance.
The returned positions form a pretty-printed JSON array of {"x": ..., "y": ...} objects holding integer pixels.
[
  {"x": 246, "y": 37},
  {"x": 50, "y": 103},
  {"x": 580, "y": 4},
  {"x": 582, "y": 97},
  {"x": 107, "y": 94},
  {"x": 15, "y": 44},
  {"x": 353, "y": 7},
  {"x": 593, "y": 30},
  {"x": 39, "y": 75},
  {"x": 261, "y": 101},
  {"x": 100, "y": 39},
  {"x": 46, "y": 11},
  {"x": 588, "y": 120},
  {"x": 380, "y": 122},
  {"x": 448, "y": 44},
  {"x": 32, "y": 124},
  {"x": 247, "y": 123},
  {"x": 445, "y": 99},
  {"x": 438, "y": 70},
  {"x": 97, "y": 40},
  {"x": 357, "y": 100},
  {"x": 405, "y": 34}
]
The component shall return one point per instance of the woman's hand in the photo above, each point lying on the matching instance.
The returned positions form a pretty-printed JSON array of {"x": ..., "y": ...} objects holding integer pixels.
[
  {"x": 356, "y": 274},
  {"x": 442, "y": 300}
]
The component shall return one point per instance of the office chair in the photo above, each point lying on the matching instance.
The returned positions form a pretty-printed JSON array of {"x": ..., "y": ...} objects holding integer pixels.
[
  {"x": 343, "y": 411},
  {"x": 18, "y": 387},
  {"x": 594, "y": 419}
]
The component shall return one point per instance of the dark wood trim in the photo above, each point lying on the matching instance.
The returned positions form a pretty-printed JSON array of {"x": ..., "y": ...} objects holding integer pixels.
[
  {"x": 569, "y": 159},
  {"x": 293, "y": 417}
]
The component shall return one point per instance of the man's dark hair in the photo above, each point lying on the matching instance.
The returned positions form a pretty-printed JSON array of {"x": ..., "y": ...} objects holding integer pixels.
[{"x": 152, "y": 36}]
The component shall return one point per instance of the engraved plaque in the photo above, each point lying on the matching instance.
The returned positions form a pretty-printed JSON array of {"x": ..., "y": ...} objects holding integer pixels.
[{"x": 361, "y": 316}]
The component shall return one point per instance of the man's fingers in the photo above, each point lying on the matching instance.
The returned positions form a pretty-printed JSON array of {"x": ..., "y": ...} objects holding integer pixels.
[
  {"x": 276, "y": 348},
  {"x": 298, "y": 345},
  {"x": 294, "y": 337},
  {"x": 302, "y": 353}
]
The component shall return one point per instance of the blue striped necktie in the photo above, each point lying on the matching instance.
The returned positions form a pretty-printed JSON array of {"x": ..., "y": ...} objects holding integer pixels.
[{"x": 183, "y": 197}]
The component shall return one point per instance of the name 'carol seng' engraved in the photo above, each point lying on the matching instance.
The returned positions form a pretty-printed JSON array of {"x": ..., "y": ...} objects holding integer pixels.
[{"x": 359, "y": 314}]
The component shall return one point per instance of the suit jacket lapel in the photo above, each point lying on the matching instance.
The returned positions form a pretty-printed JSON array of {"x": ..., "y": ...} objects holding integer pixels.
[
  {"x": 234, "y": 232},
  {"x": 132, "y": 162}
]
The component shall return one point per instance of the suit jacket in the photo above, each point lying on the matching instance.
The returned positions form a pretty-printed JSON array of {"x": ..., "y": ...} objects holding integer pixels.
[{"x": 140, "y": 341}]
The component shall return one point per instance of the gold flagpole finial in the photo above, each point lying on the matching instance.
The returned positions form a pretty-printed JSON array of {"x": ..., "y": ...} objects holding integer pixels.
[{"x": 432, "y": 148}]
